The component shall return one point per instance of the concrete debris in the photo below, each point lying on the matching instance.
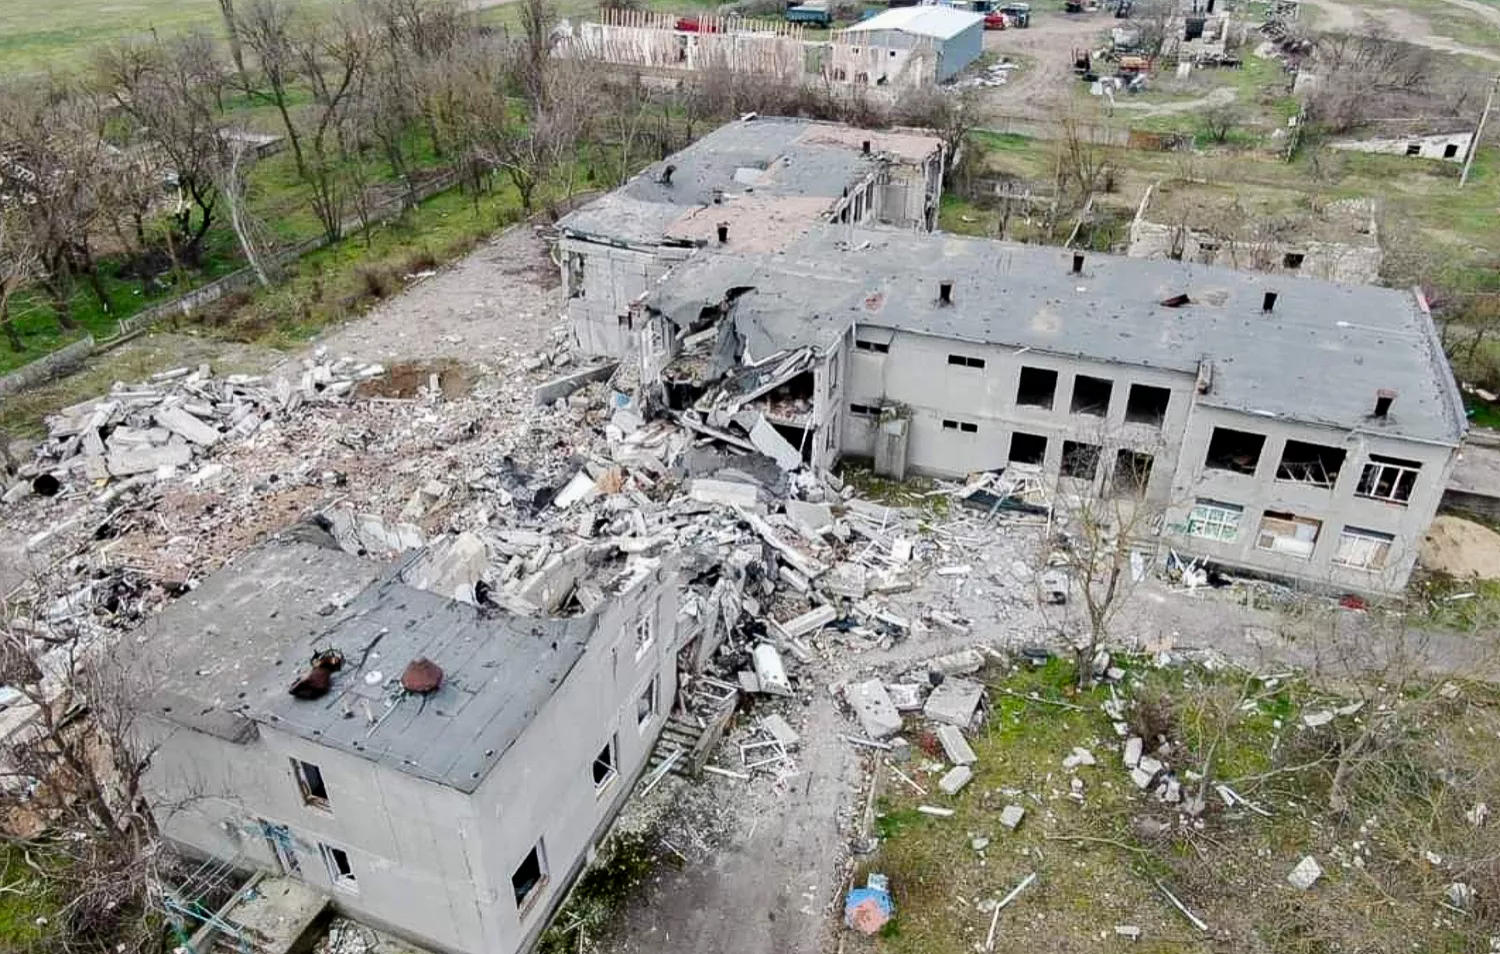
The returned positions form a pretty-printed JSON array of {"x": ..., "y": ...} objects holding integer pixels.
[
  {"x": 954, "y": 702},
  {"x": 770, "y": 672},
  {"x": 1079, "y": 756},
  {"x": 1306, "y": 874},
  {"x": 1141, "y": 778},
  {"x": 781, "y": 730},
  {"x": 935, "y": 811},
  {"x": 1128, "y": 931},
  {"x": 1478, "y": 814},
  {"x": 1460, "y": 895},
  {"x": 955, "y": 746},
  {"x": 1011, "y": 816},
  {"x": 1133, "y": 748},
  {"x": 906, "y": 696},
  {"x": 727, "y": 493},
  {"x": 979, "y": 844},
  {"x": 873, "y": 708},
  {"x": 956, "y": 778},
  {"x": 962, "y": 663},
  {"x": 900, "y": 750},
  {"x": 808, "y": 622},
  {"x": 1150, "y": 765},
  {"x": 769, "y": 442}
]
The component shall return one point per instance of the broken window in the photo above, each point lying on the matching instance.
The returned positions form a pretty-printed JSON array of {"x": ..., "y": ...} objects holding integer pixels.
[
  {"x": 1288, "y": 534},
  {"x": 1038, "y": 387},
  {"x": 1310, "y": 463},
  {"x": 1388, "y": 478},
  {"x": 964, "y": 361},
  {"x": 1080, "y": 460},
  {"x": 645, "y": 705},
  {"x": 604, "y": 766},
  {"x": 1027, "y": 448},
  {"x": 1413, "y": 149},
  {"x": 1292, "y": 260},
  {"x": 310, "y": 782},
  {"x": 529, "y": 878},
  {"x": 877, "y": 347},
  {"x": 1091, "y": 395},
  {"x": 864, "y": 410},
  {"x": 575, "y": 275},
  {"x": 1363, "y": 549},
  {"x": 1238, "y": 451},
  {"x": 340, "y": 871},
  {"x": 965, "y": 427},
  {"x": 1132, "y": 473},
  {"x": 1147, "y": 405},
  {"x": 1213, "y": 520},
  {"x": 1450, "y": 151},
  {"x": 645, "y": 634}
]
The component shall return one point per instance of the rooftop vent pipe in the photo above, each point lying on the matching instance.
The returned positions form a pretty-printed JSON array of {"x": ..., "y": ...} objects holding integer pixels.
[
  {"x": 666, "y": 174},
  {"x": 1077, "y": 263},
  {"x": 718, "y": 197},
  {"x": 1384, "y": 398},
  {"x": 1268, "y": 303},
  {"x": 945, "y": 292}
]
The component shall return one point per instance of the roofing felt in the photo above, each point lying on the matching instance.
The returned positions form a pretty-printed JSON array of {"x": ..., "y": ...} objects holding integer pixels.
[
  {"x": 941, "y": 22},
  {"x": 1318, "y": 356},
  {"x": 768, "y": 158},
  {"x": 499, "y": 670}
]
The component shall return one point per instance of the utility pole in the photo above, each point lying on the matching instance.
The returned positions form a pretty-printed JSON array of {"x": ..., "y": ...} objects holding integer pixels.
[{"x": 1474, "y": 145}]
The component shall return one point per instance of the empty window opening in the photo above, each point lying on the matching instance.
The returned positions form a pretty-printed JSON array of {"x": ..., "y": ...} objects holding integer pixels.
[
  {"x": 1027, "y": 448},
  {"x": 964, "y": 427},
  {"x": 1080, "y": 460},
  {"x": 1288, "y": 534},
  {"x": 875, "y": 347},
  {"x": 604, "y": 766},
  {"x": 1293, "y": 260},
  {"x": 575, "y": 275},
  {"x": 645, "y": 634},
  {"x": 645, "y": 706},
  {"x": 1413, "y": 149},
  {"x": 864, "y": 410},
  {"x": 1310, "y": 464},
  {"x": 310, "y": 782},
  {"x": 1238, "y": 451},
  {"x": 340, "y": 871},
  {"x": 1363, "y": 549},
  {"x": 1147, "y": 405},
  {"x": 1214, "y": 520},
  {"x": 1038, "y": 387},
  {"x": 1091, "y": 395},
  {"x": 1132, "y": 473},
  {"x": 1450, "y": 151},
  {"x": 965, "y": 361},
  {"x": 529, "y": 878},
  {"x": 1388, "y": 478},
  {"x": 792, "y": 401}
]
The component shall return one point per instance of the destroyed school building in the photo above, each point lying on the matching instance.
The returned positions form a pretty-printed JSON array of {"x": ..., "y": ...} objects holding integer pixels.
[
  {"x": 436, "y": 758},
  {"x": 1283, "y": 426},
  {"x": 754, "y": 185}
]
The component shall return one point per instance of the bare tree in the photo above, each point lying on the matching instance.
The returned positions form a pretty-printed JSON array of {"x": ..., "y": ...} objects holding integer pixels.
[
  {"x": 19, "y": 263},
  {"x": 266, "y": 28},
  {"x": 1219, "y": 120},
  {"x": 232, "y": 188}
]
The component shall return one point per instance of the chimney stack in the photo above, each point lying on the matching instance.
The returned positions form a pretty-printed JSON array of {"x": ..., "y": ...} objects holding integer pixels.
[
  {"x": 1384, "y": 398},
  {"x": 945, "y": 292},
  {"x": 723, "y": 230},
  {"x": 1268, "y": 303},
  {"x": 1077, "y": 263},
  {"x": 865, "y": 147}
]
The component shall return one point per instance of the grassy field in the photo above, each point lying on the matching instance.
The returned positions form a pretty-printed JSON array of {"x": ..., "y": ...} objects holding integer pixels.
[{"x": 1100, "y": 848}]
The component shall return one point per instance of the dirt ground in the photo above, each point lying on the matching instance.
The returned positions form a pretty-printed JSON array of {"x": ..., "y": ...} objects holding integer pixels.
[
  {"x": 1338, "y": 17},
  {"x": 1042, "y": 88},
  {"x": 1462, "y": 548}
]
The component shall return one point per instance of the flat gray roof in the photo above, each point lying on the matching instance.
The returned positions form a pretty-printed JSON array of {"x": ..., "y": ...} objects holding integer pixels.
[
  {"x": 764, "y": 167},
  {"x": 1318, "y": 357},
  {"x": 499, "y": 670}
]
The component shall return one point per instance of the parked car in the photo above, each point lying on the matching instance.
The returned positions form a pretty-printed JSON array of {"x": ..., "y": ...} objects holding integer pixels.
[
  {"x": 1019, "y": 14},
  {"x": 995, "y": 21}
]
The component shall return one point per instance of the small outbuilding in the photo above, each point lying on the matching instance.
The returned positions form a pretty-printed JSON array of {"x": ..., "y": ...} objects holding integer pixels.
[{"x": 956, "y": 35}]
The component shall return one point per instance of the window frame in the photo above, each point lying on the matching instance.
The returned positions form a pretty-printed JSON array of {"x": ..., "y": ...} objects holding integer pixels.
[
  {"x": 525, "y": 903},
  {"x": 651, "y": 697},
  {"x": 612, "y": 750},
  {"x": 1286, "y": 516},
  {"x": 1220, "y": 509},
  {"x": 305, "y": 785},
  {"x": 345, "y": 879},
  {"x": 1377, "y": 464},
  {"x": 1383, "y": 543},
  {"x": 872, "y": 347},
  {"x": 645, "y": 623},
  {"x": 966, "y": 361}
]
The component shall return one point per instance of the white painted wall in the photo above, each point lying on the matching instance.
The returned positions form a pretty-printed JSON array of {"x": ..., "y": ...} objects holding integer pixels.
[{"x": 1451, "y": 147}]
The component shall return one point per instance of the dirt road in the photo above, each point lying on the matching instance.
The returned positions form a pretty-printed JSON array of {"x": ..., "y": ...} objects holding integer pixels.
[
  {"x": 1339, "y": 17},
  {"x": 1043, "y": 87}
]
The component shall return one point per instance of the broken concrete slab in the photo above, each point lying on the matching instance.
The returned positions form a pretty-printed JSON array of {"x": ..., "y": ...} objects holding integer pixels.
[
  {"x": 180, "y": 422},
  {"x": 1306, "y": 874},
  {"x": 955, "y": 746},
  {"x": 962, "y": 663},
  {"x": 873, "y": 707},
  {"x": 907, "y": 696},
  {"x": 770, "y": 670},
  {"x": 769, "y": 441},
  {"x": 846, "y": 579},
  {"x": 809, "y": 622},
  {"x": 814, "y": 517},
  {"x": 1079, "y": 756},
  {"x": 559, "y": 388},
  {"x": 1148, "y": 764},
  {"x": 451, "y": 567},
  {"x": 1133, "y": 748},
  {"x": 954, "y": 781},
  {"x": 1141, "y": 778},
  {"x": 1011, "y": 816},
  {"x": 781, "y": 731},
  {"x": 1315, "y": 719},
  {"x": 123, "y": 462},
  {"x": 1128, "y": 931},
  {"x": 727, "y": 493},
  {"x": 954, "y": 702}
]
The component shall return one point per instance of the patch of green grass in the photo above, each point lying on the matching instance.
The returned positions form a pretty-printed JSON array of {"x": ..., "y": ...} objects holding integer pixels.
[
  {"x": 1481, "y": 412},
  {"x": 23, "y": 899}
]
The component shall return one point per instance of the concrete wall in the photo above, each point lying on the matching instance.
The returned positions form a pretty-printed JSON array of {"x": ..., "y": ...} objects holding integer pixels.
[
  {"x": 916, "y": 374},
  {"x": 413, "y": 845},
  {"x": 1337, "y": 507},
  {"x": 601, "y": 280},
  {"x": 1331, "y": 261},
  {"x": 542, "y": 791},
  {"x": 432, "y": 863},
  {"x": 1453, "y": 147}
]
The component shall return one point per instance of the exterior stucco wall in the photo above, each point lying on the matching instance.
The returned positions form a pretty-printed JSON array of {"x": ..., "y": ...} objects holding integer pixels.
[
  {"x": 1428, "y": 147},
  {"x": 600, "y": 281},
  {"x": 1331, "y": 261},
  {"x": 1337, "y": 507}
]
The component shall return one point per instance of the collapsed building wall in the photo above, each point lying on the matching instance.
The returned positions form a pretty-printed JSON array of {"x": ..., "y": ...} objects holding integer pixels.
[{"x": 1448, "y": 147}]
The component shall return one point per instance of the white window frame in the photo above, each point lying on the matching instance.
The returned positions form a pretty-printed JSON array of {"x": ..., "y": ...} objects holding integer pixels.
[
  {"x": 344, "y": 880},
  {"x": 1217, "y": 516},
  {"x": 645, "y": 633},
  {"x": 1370, "y": 474},
  {"x": 612, "y": 747},
  {"x": 1296, "y": 520},
  {"x": 651, "y": 693},
  {"x": 1371, "y": 543}
]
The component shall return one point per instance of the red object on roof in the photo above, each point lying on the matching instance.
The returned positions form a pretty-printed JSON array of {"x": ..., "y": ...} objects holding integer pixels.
[{"x": 422, "y": 676}]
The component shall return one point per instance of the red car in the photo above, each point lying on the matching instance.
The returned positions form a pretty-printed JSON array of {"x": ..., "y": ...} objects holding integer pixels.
[{"x": 995, "y": 21}]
